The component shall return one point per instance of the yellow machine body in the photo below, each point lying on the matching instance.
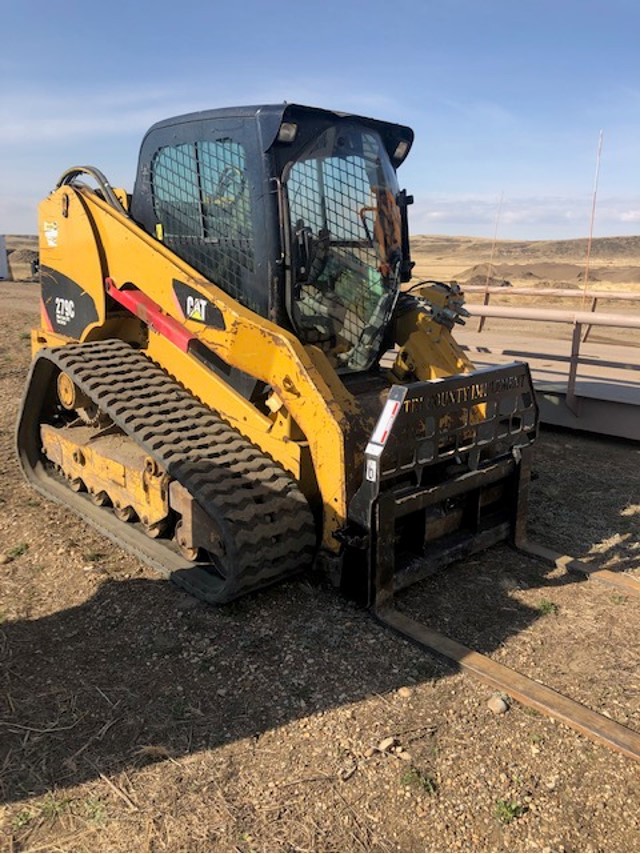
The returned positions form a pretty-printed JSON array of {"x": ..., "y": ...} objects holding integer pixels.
[
  {"x": 316, "y": 430},
  {"x": 228, "y": 366}
]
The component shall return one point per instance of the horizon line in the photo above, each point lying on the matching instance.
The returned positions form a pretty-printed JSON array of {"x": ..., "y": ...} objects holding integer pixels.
[{"x": 441, "y": 235}]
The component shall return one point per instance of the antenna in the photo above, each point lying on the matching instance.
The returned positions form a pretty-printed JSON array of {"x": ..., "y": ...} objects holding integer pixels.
[
  {"x": 594, "y": 192},
  {"x": 486, "y": 297}
]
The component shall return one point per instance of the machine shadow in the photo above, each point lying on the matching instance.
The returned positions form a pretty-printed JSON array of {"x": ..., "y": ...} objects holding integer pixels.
[{"x": 92, "y": 689}]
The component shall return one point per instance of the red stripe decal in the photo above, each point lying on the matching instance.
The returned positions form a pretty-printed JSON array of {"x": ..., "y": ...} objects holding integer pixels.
[
  {"x": 46, "y": 320},
  {"x": 151, "y": 314},
  {"x": 386, "y": 422}
]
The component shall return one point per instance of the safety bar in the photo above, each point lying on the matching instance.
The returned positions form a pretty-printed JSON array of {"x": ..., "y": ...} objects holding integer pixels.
[{"x": 578, "y": 319}]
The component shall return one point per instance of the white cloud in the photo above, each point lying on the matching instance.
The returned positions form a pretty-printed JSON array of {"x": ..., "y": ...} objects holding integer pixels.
[
  {"x": 33, "y": 117},
  {"x": 29, "y": 117},
  {"x": 523, "y": 217}
]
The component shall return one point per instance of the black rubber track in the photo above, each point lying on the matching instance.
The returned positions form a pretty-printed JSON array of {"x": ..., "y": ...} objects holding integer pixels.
[{"x": 266, "y": 524}]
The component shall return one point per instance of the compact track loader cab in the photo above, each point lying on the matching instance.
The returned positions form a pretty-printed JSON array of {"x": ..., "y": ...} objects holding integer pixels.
[{"x": 210, "y": 387}]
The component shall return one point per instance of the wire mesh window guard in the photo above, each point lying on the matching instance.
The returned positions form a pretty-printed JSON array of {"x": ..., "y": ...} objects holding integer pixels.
[
  {"x": 337, "y": 193},
  {"x": 202, "y": 199}
]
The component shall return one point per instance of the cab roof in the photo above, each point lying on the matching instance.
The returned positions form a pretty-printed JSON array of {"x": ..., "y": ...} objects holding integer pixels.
[{"x": 269, "y": 118}]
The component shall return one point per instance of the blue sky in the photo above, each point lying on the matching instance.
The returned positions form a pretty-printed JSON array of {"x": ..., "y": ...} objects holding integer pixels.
[{"x": 505, "y": 96}]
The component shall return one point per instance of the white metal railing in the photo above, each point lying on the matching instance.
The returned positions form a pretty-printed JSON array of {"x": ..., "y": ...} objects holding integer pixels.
[
  {"x": 552, "y": 293},
  {"x": 578, "y": 319}
]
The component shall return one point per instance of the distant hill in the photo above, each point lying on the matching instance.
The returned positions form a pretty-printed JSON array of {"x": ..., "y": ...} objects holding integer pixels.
[
  {"x": 613, "y": 259},
  {"x": 618, "y": 249}
]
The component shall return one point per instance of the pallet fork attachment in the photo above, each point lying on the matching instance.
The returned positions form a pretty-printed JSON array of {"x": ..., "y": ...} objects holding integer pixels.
[
  {"x": 452, "y": 458},
  {"x": 385, "y": 498}
]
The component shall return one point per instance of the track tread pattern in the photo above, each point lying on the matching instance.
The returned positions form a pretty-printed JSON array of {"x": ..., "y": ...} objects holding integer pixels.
[{"x": 270, "y": 524}]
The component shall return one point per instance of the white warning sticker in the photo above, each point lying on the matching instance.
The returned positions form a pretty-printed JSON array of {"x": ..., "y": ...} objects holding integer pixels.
[
  {"x": 385, "y": 422},
  {"x": 50, "y": 230}
]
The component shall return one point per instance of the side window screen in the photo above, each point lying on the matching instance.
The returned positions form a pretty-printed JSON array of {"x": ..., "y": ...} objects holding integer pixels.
[
  {"x": 176, "y": 190},
  {"x": 202, "y": 200}
]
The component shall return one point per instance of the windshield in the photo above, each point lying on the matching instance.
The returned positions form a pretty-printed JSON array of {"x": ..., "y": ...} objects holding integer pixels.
[{"x": 346, "y": 243}]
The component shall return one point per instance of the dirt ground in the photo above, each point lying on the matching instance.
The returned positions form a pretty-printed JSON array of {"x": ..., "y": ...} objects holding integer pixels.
[{"x": 133, "y": 717}]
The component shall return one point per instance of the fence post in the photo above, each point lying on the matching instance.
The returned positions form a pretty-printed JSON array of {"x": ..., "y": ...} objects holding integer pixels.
[
  {"x": 570, "y": 396},
  {"x": 593, "y": 309}
]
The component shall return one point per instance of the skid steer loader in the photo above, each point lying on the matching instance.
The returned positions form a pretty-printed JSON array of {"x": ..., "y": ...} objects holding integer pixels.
[{"x": 232, "y": 378}]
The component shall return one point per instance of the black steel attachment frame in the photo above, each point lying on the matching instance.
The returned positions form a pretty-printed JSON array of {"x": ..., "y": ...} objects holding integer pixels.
[
  {"x": 468, "y": 419},
  {"x": 486, "y": 421},
  {"x": 439, "y": 445}
]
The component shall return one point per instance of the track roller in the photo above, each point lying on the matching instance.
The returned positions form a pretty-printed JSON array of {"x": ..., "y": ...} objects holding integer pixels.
[{"x": 241, "y": 521}]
